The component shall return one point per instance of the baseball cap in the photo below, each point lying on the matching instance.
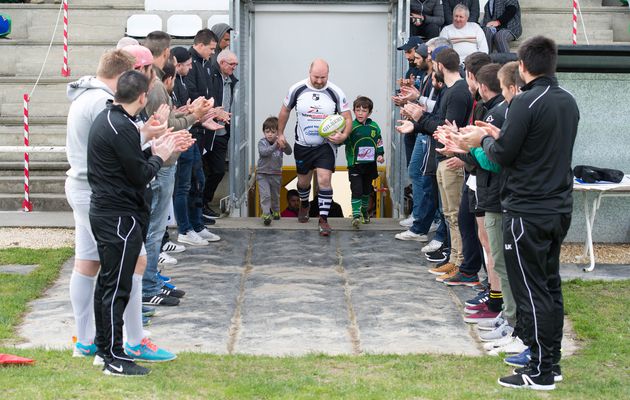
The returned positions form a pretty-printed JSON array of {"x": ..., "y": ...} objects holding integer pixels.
[
  {"x": 142, "y": 55},
  {"x": 422, "y": 50},
  {"x": 412, "y": 42},
  {"x": 437, "y": 51},
  {"x": 126, "y": 41},
  {"x": 180, "y": 54}
]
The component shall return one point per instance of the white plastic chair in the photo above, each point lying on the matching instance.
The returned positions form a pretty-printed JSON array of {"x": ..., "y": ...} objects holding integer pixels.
[
  {"x": 184, "y": 25},
  {"x": 140, "y": 25},
  {"x": 215, "y": 19}
]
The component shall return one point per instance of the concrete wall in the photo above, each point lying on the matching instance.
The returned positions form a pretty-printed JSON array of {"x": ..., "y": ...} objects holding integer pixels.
[{"x": 603, "y": 140}]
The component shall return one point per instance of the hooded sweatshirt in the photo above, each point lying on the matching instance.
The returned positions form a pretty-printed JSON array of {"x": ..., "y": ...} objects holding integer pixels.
[
  {"x": 220, "y": 29},
  {"x": 89, "y": 97}
]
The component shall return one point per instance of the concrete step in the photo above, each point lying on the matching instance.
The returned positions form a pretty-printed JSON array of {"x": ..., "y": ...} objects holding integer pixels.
[
  {"x": 37, "y": 184},
  {"x": 41, "y": 201},
  {"x": 559, "y": 20},
  {"x": 39, "y": 135},
  {"x": 47, "y": 100},
  {"x": 36, "y": 168},
  {"x": 34, "y": 157}
]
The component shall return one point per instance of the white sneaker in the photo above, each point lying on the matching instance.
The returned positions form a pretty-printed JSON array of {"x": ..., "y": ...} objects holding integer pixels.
[
  {"x": 434, "y": 226},
  {"x": 407, "y": 222},
  {"x": 164, "y": 258},
  {"x": 492, "y": 324},
  {"x": 208, "y": 236},
  {"x": 191, "y": 237},
  {"x": 170, "y": 247},
  {"x": 502, "y": 341},
  {"x": 432, "y": 246},
  {"x": 514, "y": 347},
  {"x": 408, "y": 235},
  {"x": 499, "y": 333}
]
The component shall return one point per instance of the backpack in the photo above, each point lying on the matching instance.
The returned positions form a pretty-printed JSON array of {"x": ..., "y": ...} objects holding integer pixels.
[{"x": 5, "y": 25}]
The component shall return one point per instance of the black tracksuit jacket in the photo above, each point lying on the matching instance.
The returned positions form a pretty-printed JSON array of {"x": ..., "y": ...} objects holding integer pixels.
[{"x": 535, "y": 150}]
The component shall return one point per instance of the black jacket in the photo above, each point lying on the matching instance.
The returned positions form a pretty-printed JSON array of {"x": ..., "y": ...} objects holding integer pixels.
[
  {"x": 180, "y": 91},
  {"x": 488, "y": 183},
  {"x": 118, "y": 170},
  {"x": 198, "y": 84},
  {"x": 535, "y": 150}
]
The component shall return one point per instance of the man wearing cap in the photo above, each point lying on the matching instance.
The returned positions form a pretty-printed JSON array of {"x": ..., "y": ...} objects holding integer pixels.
[
  {"x": 467, "y": 37},
  {"x": 183, "y": 64},
  {"x": 409, "y": 48}
]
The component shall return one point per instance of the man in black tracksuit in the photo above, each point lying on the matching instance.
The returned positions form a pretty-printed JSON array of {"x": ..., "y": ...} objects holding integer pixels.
[
  {"x": 118, "y": 173},
  {"x": 534, "y": 149}
]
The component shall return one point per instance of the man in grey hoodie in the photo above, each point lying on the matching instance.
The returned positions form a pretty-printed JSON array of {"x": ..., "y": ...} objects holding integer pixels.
[
  {"x": 89, "y": 96},
  {"x": 222, "y": 31}
]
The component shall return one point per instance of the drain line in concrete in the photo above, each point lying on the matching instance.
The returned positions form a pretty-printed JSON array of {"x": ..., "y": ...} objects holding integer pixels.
[
  {"x": 353, "y": 327},
  {"x": 235, "y": 322}
]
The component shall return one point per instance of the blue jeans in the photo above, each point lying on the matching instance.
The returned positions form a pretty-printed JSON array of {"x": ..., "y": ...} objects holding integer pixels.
[
  {"x": 423, "y": 188},
  {"x": 188, "y": 197},
  {"x": 162, "y": 189}
]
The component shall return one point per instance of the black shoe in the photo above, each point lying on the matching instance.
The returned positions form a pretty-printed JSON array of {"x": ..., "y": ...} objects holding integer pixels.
[
  {"x": 172, "y": 292},
  {"x": 160, "y": 300},
  {"x": 528, "y": 382},
  {"x": 210, "y": 213},
  {"x": 555, "y": 371},
  {"x": 437, "y": 256},
  {"x": 207, "y": 220},
  {"x": 125, "y": 368}
]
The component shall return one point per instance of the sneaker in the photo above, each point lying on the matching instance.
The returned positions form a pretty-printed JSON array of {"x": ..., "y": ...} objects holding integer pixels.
[
  {"x": 149, "y": 352},
  {"x": 462, "y": 279},
  {"x": 303, "y": 214},
  {"x": 437, "y": 256},
  {"x": 192, "y": 238},
  {"x": 499, "y": 333},
  {"x": 163, "y": 278},
  {"x": 407, "y": 222},
  {"x": 170, "y": 247},
  {"x": 160, "y": 300},
  {"x": 99, "y": 359},
  {"x": 209, "y": 213},
  {"x": 266, "y": 218},
  {"x": 481, "y": 286},
  {"x": 499, "y": 342},
  {"x": 525, "y": 381},
  {"x": 165, "y": 259},
  {"x": 177, "y": 293},
  {"x": 275, "y": 215},
  {"x": 356, "y": 222},
  {"x": 433, "y": 245},
  {"x": 478, "y": 299},
  {"x": 324, "y": 228},
  {"x": 442, "y": 270},
  {"x": 475, "y": 309},
  {"x": 491, "y": 325},
  {"x": 555, "y": 371},
  {"x": 207, "y": 220},
  {"x": 208, "y": 236},
  {"x": 148, "y": 311},
  {"x": 169, "y": 285},
  {"x": 447, "y": 275},
  {"x": 480, "y": 316},
  {"x": 519, "y": 360},
  {"x": 408, "y": 235},
  {"x": 434, "y": 226},
  {"x": 84, "y": 350},
  {"x": 514, "y": 347},
  {"x": 146, "y": 321},
  {"x": 125, "y": 368},
  {"x": 365, "y": 217}
]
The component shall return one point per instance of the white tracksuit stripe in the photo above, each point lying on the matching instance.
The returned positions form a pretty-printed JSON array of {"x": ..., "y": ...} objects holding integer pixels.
[{"x": 111, "y": 311}]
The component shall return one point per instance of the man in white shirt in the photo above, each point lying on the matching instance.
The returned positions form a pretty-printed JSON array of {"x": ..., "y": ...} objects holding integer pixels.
[{"x": 467, "y": 37}]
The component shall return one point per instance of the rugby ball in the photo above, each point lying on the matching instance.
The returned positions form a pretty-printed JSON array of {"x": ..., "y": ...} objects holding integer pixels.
[{"x": 330, "y": 124}]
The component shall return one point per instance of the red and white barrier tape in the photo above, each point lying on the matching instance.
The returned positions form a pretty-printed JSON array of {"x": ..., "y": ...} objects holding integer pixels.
[
  {"x": 27, "y": 205},
  {"x": 65, "y": 71}
]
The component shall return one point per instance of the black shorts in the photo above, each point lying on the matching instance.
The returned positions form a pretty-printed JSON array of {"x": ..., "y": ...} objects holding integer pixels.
[{"x": 308, "y": 158}]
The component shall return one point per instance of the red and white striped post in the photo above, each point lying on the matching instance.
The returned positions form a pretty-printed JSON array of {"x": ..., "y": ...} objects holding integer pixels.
[
  {"x": 575, "y": 15},
  {"x": 26, "y": 204},
  {"x": 65, "y": 71}
]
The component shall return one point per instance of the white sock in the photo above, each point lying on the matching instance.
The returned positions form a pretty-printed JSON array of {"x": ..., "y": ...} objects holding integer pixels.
[
  {"x": 82, "y": 299},
  {"x": 133, "y": 313}
]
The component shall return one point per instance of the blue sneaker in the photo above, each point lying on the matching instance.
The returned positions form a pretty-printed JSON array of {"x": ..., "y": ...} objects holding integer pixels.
[
  {"x": 149, "y": 352},
  {"x": 482, "y": 297},
  {"x": 82, "y": 350},
  {"x": 146, "y": 321},
  {"x": 519, "y": 360},
  {"x": 164, "y": 278},
  {"x": 148, "y": 311},
  {"x": 169, "y": 286}
]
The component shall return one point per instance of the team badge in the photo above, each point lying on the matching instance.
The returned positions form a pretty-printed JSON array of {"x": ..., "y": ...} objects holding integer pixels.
[
  {"x": 489, "y": 119},
  {"x": 316, "y": 96}
]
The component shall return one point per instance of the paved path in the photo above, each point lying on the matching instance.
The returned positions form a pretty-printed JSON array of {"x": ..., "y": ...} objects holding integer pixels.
[{"x": 290, "y": 292}]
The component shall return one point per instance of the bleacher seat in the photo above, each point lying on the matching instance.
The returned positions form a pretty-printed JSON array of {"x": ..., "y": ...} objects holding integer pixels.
[
  {"x": 215, "y": 19},
  {"x": 140, "y": 25},
  {"x": 184, "y": 25}
]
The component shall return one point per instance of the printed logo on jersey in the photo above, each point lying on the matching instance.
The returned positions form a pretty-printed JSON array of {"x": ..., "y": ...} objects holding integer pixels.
[
  {"x": 490, "y": 118},
  {"x": 316, "y": 96}
]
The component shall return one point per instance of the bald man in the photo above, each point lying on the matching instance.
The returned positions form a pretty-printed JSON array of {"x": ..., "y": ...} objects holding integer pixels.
[{"x": 315, "y": 98}]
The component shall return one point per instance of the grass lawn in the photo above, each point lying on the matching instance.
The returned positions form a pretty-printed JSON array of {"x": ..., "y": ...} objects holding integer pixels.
[{"x": 601, "y": 370}]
